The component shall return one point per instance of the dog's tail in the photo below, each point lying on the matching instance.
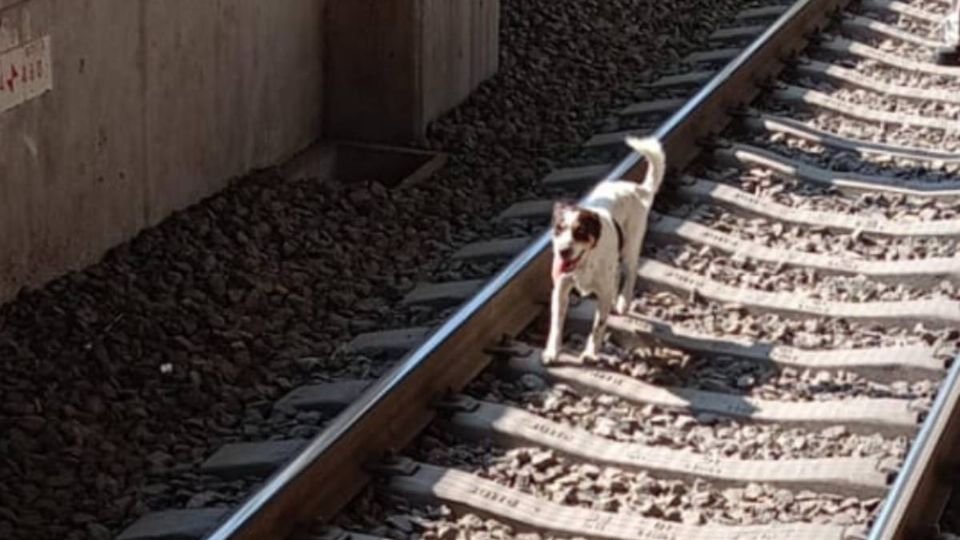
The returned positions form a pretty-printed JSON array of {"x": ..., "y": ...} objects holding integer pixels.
[{"x": 652, "y": 150}]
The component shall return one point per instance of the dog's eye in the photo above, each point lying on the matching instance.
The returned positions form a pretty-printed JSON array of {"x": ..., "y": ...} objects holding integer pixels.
[{"x": 580, "y": 234}]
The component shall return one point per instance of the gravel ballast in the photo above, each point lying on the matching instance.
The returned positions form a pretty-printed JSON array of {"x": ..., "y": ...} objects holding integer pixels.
[{"x": 115, "y": 378}]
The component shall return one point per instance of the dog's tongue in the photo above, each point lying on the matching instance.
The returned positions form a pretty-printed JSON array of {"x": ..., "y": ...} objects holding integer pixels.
[
  {"x": 557, "y": 268},
  {"x": 561, "y": 266}
]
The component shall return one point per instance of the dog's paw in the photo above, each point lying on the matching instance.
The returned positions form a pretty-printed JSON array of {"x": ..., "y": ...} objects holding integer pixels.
[
  {"x": 622, "y": 306},
  {"x": 549, "y": 355},
  {"x": 589, "y": 354}
]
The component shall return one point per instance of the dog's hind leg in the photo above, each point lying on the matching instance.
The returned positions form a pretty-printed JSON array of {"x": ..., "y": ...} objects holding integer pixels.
[
  {"x": 631, "y": 256},
  {"x": 558, "y": 314},
  {"x": 599, "y": 327}
]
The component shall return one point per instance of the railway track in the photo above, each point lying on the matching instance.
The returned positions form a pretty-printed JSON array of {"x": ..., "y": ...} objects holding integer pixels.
[{"x": 786, "y": 370}]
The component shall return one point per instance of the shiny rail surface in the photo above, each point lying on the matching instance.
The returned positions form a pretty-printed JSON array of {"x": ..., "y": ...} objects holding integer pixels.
[{"x": 921, "y": 489}]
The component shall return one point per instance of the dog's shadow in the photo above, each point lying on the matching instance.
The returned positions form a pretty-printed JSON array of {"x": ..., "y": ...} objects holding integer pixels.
[
  {"x": 630, "y": 351},
  {"x": 695, "y": 365},
  {"x": 731, "y": 372}
]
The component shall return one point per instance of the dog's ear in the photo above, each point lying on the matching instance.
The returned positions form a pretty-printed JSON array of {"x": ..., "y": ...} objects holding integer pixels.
[{"x": 559, "y": 208}]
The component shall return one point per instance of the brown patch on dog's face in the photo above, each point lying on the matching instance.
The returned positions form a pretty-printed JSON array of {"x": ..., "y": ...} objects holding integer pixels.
[
  {"x": 575, "y": 231},
  {"x": 586, "y": 227},
  {"x": 584, "y": 224}
]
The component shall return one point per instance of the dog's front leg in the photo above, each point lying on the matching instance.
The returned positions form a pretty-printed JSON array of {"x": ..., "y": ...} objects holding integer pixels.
[
  {"x": 604, "y": 305},
  {"x": 558, "y": 314}
]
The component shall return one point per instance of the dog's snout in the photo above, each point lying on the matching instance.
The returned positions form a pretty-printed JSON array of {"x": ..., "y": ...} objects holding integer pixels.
[{"x": 566, "y": 253}]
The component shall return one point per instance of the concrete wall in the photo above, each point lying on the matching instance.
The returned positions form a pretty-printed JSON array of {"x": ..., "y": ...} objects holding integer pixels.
[
  {"x": 156, "y": 103},
  {"x": 461, "y": 45},
  {"x": 395, "y": 65}
]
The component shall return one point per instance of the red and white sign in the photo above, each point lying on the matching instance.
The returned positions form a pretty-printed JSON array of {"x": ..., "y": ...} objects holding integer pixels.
[{"x": 25, "y": 73}]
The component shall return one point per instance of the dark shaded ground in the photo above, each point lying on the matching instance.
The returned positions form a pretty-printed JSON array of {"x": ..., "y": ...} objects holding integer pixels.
[{"x": 179, "y": 340}]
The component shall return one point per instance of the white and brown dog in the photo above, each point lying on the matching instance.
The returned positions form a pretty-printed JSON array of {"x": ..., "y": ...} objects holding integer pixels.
[{"x": 592, "y": 242}]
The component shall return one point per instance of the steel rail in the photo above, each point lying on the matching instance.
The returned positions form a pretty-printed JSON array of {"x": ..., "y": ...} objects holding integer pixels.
[
  {"x": 330, "y": 470},
  {"x": 915, "y": 502}
]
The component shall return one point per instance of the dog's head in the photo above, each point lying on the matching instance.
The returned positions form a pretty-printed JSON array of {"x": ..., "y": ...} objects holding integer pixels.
[{"x": 575, "y": 232}]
